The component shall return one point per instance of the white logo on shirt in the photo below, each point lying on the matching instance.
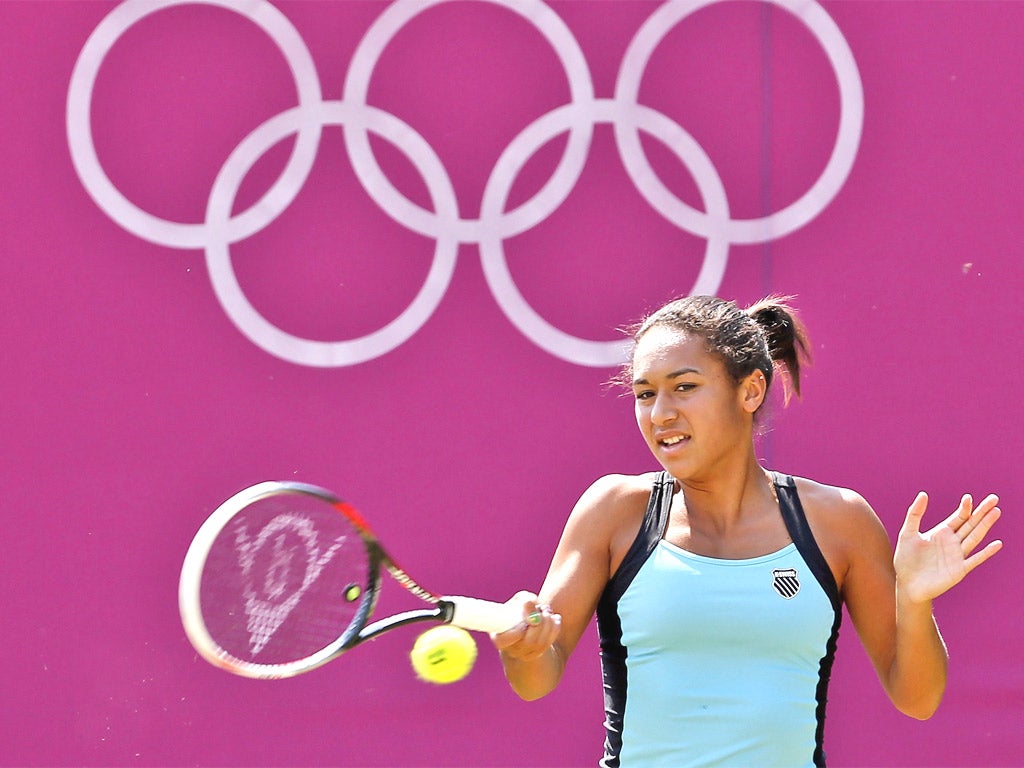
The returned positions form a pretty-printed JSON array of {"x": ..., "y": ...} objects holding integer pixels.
[{"x": 785, "y": 582}]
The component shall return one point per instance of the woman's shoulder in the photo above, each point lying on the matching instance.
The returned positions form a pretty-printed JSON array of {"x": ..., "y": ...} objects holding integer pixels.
[
  {"x": 845, "y": 526},
  {"x": 618, "y": 492},
  {"x": 610, "y": 513},
  {"x": 621, "y": 485},
  {"x": 614, "y": 500},
  {"x": 835, "y": 506}
]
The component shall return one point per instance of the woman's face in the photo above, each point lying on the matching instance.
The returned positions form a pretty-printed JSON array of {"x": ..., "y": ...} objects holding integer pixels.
[{"x": 692, "y": 414}]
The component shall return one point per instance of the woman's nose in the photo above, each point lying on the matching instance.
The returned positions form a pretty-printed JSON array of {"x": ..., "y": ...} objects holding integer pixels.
[{"x": 664, "y": 410}]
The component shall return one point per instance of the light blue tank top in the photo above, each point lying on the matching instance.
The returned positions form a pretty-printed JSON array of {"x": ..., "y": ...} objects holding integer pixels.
[{"x": 715, "y": 662}]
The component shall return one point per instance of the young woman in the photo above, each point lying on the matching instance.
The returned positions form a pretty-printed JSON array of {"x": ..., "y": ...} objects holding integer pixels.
[{"x": 718, "y": 584}]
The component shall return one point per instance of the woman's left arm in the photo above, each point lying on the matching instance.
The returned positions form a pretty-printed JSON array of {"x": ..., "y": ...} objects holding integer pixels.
[{"x": 890, "y": 596}]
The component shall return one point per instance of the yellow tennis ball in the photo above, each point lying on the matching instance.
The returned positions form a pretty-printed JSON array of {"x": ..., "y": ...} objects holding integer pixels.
[{"x": 443, "y": 654}]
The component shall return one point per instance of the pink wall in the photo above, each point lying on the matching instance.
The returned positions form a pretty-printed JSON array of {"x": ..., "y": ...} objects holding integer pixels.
[{"x": 133, "y": 404}]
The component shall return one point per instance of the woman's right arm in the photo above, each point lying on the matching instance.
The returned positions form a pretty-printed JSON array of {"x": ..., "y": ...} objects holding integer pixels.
[{"x": 534, "y": 655}]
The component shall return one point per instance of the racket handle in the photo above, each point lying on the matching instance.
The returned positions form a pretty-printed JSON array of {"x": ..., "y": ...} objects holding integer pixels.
[{"x": 483, "y": 615}]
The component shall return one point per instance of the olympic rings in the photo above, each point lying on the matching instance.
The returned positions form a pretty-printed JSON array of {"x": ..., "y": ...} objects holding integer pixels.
[{"x": 443, "y": 222}]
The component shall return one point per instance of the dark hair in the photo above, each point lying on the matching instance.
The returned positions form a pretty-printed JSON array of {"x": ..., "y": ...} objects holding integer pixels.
[{"x": 766, "y": 336}]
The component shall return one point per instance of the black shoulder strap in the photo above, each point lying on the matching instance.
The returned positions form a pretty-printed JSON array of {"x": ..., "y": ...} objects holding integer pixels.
[
  {"x": 609, "y": 625},
  {"x": 652, "y": 530},
  {"x": 800, "y": 531}
]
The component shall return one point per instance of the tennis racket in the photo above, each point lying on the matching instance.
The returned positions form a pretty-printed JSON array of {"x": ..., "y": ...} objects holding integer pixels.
[{"x": 283, "y": 577}]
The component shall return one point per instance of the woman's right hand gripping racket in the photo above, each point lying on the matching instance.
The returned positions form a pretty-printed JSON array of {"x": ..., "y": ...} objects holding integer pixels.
[{"x": 283, "y": 577}]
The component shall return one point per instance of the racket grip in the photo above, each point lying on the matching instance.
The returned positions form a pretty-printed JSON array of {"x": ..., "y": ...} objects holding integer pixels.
[{"x": 483, "y": 615}]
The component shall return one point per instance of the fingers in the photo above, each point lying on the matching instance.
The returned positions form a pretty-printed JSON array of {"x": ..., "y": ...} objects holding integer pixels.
[
  {"x": 969, "y": 522},
  {"x": 978, "y": 558},
  {"x": 976, "y": 527},
  {"x": 962, "y": 513},
  {"x": 930, "y": 563},
  {"x": 531, "y": 638},
  {"x": 527, "y": 604},
  {"x": 912, "y": 523},
  {"x": 541, "y": 630},
  {"x": 972, "y": 524}
]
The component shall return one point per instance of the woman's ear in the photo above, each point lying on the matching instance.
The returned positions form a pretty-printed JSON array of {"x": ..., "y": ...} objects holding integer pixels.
[{"x": 753, "y": 390}]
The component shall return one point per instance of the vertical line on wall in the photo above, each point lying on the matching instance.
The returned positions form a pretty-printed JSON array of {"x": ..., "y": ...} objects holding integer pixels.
[
  {"x": 765, "y": 175},
  {"x": 765, "y": 165}
]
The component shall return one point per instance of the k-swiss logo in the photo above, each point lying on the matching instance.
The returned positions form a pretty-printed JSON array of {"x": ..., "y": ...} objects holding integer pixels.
[{"x": 785, "y": 582}]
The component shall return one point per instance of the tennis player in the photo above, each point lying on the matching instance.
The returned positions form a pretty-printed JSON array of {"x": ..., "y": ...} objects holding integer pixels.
[{"x": 718, "y": 584}]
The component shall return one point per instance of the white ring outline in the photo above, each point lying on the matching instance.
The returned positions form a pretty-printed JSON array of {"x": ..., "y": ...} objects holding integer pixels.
[
  {"x": 225, "y": 283},
  {"x": 528, "y": 214},
  {"x": 504, "y": 289},
  {"x": 840, "y": 162},
  {"x": 99, "y": 186}
]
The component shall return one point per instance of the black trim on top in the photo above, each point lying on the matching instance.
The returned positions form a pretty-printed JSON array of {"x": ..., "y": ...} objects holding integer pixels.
[
  {"x": 613, "y": 654},
  {"x": 800, "y": 531}
]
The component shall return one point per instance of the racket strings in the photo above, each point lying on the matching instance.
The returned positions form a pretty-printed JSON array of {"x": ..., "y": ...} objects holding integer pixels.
[
  {"x": 284, "y": 580},
  {"x": 267, "y": 605}
]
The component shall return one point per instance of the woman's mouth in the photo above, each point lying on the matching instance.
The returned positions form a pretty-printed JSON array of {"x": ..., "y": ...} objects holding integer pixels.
[{"x": 668, "y": 442}]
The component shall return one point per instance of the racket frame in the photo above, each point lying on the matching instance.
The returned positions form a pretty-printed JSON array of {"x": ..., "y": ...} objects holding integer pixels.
[{"x": 479, "y": 615}]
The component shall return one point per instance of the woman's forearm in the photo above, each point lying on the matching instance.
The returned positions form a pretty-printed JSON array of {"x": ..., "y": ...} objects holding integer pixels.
[
  {"x": 536, "y": 678},
  {"x": 917, "y": 677}
]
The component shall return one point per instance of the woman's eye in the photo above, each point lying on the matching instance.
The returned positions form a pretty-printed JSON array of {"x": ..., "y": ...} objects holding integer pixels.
[{"x": 643, "y": 395}]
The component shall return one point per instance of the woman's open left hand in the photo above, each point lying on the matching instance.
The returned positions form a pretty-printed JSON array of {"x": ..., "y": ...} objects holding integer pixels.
[{"x": 930, "y": 563}]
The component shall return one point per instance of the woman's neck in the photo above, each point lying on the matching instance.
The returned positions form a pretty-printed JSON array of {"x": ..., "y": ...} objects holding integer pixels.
[{"x": 729, "y": 496}]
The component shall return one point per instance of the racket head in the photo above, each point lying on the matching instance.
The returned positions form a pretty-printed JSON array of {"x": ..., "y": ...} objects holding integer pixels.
[{"x": 278, "y": 581}]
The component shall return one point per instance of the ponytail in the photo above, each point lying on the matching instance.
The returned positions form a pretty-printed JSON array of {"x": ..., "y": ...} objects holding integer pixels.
[{"x": 786, "y": 336}]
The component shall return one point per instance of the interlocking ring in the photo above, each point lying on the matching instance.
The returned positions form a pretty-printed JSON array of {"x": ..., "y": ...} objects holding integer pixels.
[
  {"x": 218, "y": 259},
  {"x": 109, "y": 198},
  {"x": 443, "y": 221}
]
